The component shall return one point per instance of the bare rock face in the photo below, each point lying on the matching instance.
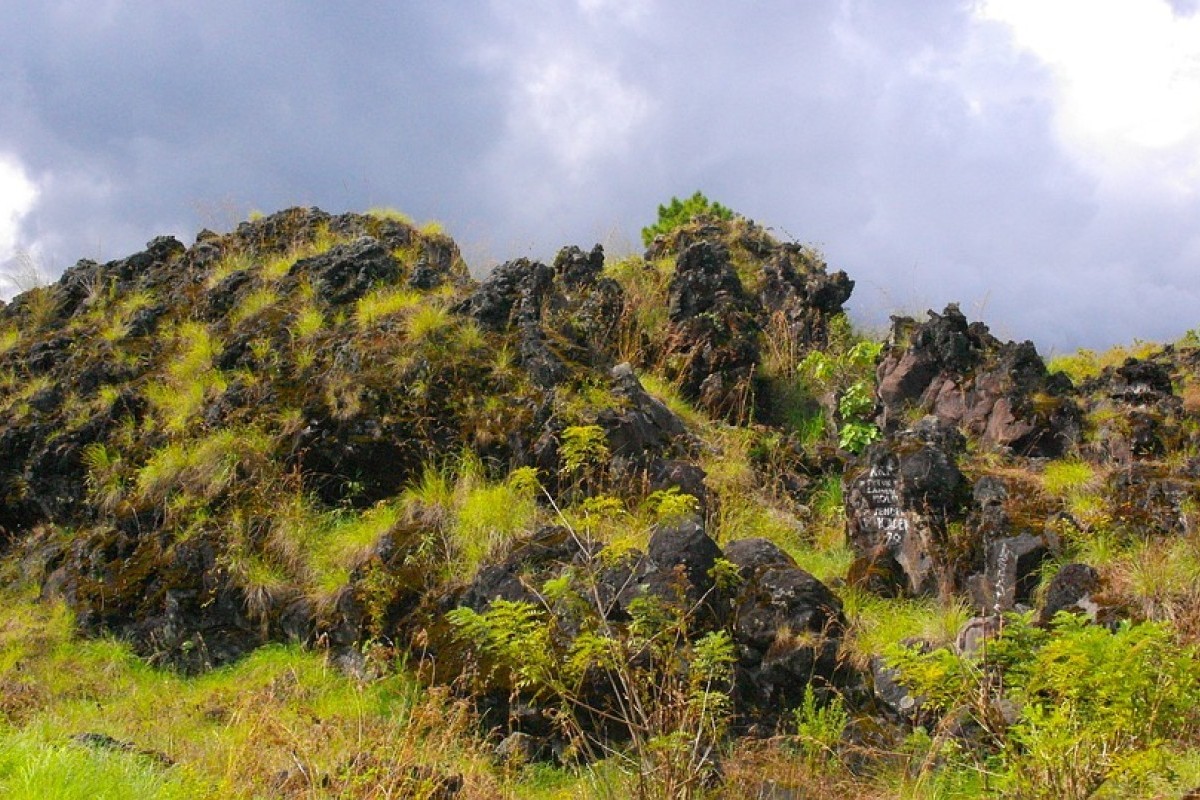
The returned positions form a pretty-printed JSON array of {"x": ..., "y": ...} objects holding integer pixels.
[
  {"x": 564, "y": 314},
  {"x": 174, "y": 605},
  {"x": 1009, "y": 556},
  {"x": 998, "y": 392},
  {"x": 731, "y": 282},
  {"x": 898, "y": 507},
  {"x": 1011, "y": 571},
  {"x": 803, "y": 299}
]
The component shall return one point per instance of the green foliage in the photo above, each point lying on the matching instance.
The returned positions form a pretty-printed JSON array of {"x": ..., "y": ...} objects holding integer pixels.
[
  {"x": 671, "y": 688},
  {"x": 105, "y": 478},
  {"x": 383, "y": 303},
  {"x": 427, "y": 320},
  {"x": 846, "y": 371},
  {"x": 672, "y": 503},
  {"x": 678, "y": 213},
  {"x": 231, "y": 732},
  {"x": 1085, "y": 364},
  {"x": 9, "y": 337},
  {"x": 1096, "y": 705},
  {"x": 468, "y": 517},
  {"x": 819, "y": 728},
  {"x": 1063, "y": 478},
  {"x": 583, "y": 448},
  {"x": 203, "y": 468},
  {"x": 389, "y": 213},
  {"x": 517, "y": 634},
  {"x": 253, "y": 304},
  {"x": 32, "y": 768},
  {"x": 855, "y": 405}
]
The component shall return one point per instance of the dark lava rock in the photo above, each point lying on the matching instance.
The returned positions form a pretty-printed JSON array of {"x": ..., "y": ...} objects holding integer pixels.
[
  {"x": 898, "y": 507},
  {"x": 175, "y": 604},
  {"x": 563, "y": 315},
  {"x": 524, "y": 569},
  {"x": 1012, "y": 569},
  {"x": 1012, "y": 559},
  {"x": 999, "y": 392},
  {"x": 1140, "y": 382},
  {"x": 640, "y": 426},
  {"x": 348, "y": 271},
  {"x": 1147, "y": 499},
  {"x": 1070, "y": 589},
  {"x": 787, "y": 626},
  {"x": 712, "y": 345}
]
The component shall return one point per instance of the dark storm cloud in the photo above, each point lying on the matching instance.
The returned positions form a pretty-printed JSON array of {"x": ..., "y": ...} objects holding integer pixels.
[
  {"x": 151, "y": 116},
  {"x": 909, "y": 141}
]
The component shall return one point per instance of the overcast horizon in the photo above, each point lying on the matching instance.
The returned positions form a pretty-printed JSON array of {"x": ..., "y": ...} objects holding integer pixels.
[{"x": 1036, "y": 161}]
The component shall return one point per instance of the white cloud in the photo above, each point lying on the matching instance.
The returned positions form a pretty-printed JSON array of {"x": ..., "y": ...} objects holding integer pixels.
[
  {"x": 626, "y": 12},
  {"x": 1127, "y": 82},
  {"x": 579, "y": 108},
  {"x": 18, "y": 194}
]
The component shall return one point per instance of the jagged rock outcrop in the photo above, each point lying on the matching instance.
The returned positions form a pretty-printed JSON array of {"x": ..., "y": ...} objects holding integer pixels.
[
  {"x": 731, "y": 282},
  {"x": 998, "y": 392},
  {"x": 1071, "y": 589},
  {"x": 563, "y": 314},
  {"x": 1012, "y": 555},
  {"x": 712, "y": 346},
  {"x": 313, "y": 428},
  {"x": 1135, "y": 411},
  {"x": 786, "y": 624}
]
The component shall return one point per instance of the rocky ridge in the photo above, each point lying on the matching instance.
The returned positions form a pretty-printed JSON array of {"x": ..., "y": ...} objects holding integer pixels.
[{"x": 205, "y": 449}]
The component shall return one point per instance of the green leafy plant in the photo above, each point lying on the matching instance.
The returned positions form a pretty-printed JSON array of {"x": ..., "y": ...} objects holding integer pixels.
[
  {"x": 819, "y": 728},
  {"x": 854, "y": 406},
  {"x": 670, "y": 688},
  {"x": 672, "y": 503},
  {"x": 1096, "y": 705},
  {"x": 583, "y": 447},
  {"x": 678, "y": 213}
]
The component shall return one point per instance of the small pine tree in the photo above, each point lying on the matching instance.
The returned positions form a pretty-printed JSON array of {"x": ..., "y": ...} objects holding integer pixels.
[{"x": 680, "y": 212}]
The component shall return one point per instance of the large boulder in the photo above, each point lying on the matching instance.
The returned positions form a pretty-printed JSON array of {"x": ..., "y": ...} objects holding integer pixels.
[
  {"x": 175, "y": 603},
  {"x": 788, "y": 628},
  {"x": 899, "y": 505}
]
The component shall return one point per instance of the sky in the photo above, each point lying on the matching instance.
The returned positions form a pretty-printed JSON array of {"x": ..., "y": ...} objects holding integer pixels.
[{"x": 1036, "y": 161}]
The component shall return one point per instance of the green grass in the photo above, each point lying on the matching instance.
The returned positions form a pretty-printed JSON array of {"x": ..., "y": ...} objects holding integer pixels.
[
  {"x": 877, "y": 623},
  {"x": 383, "y": 303},
  {"x": 204, "y": 467},
  {"x": 345, "y": 539},
  {"x": 1068, "y": 477},
  {"x": 253, "y": 304},
  {"x": 427, "y": 320},
  {"x": 281, "y": 723},
  {"x": 34, "y": 766},
  {"x": 1085, "y": 364},
  {"x": 237, "y": 261},
  {"x": 388, "y": 213},
  {"x": 8, "y": 339},
  {"x": 309, "y": 322}
]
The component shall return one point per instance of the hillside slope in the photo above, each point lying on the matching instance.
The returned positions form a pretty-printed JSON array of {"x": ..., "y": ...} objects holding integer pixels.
[{"x": 614, "y": 503}]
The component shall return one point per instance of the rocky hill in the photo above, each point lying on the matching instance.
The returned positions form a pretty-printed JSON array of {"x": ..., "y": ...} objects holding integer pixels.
[{"x": 610, "y": 501}]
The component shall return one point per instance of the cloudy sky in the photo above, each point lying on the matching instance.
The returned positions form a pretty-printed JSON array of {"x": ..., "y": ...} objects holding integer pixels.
[{"x": 1037, "y": 161}]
